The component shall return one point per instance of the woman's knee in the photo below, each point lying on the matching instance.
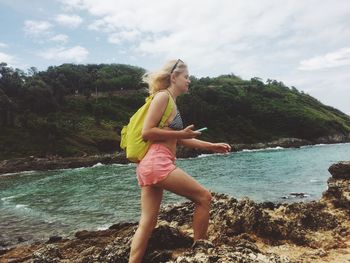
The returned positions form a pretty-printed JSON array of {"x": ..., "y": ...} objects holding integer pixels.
[{"x": 204, "y": 198}]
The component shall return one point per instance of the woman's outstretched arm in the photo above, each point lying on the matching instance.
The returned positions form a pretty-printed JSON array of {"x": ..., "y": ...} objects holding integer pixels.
[{"x": 204, "y": 145}]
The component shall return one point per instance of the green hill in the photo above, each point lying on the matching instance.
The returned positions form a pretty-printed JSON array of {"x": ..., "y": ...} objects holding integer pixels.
[{"x": 57, "y": 112}]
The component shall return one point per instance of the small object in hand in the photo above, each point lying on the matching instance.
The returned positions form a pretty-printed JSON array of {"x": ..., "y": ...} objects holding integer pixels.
[{"x": 202, "y": 129}]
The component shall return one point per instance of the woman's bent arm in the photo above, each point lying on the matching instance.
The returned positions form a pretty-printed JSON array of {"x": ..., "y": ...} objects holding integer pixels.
[
  {"x": 155, "y": 112},
  {"x": 156, "y": 134}
]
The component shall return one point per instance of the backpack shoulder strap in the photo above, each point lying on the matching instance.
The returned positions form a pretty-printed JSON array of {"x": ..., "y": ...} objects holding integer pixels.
[{"x": 168, "y": 110}]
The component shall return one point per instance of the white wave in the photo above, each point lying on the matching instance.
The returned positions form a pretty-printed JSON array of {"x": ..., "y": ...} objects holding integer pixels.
[
  {"x": 97, "y": 165},
  {"x": 119, "y": 164},
  {"x": 324, "y": 144},
  {"x": 204, "y": 155},
  {"x": 103, "y": 227},
  {"x": 315, "y": 180},
  {"x": 305, "y": 146},
  {"x": 28, "y": 172},
  {"x": 315, "y": 145},
  {"x": 71, "y": 169},
  {"x": 8, "y": 197},
  {"x": 19, "y": 173},
  {"x": 331, "y": 144},
  {"x": 79, "y": 168},
  {"x": 264, "y": 149},
  {"x": 19, "y": 206},
  {"x": 293, "y": 196}
]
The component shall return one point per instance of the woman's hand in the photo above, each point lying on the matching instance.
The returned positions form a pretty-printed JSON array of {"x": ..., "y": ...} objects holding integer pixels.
[
  {"x": 188, "y": 133},
  {"x": 220, "y": 147}
]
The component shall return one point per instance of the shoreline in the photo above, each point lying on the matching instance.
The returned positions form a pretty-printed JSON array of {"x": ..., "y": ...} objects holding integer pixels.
[
  {"x": 33, "y": 164},
  {"x": 240, "y": 231}
]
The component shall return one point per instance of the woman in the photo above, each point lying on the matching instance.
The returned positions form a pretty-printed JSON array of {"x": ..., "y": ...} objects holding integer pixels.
[{"x": 157, "y": 170}]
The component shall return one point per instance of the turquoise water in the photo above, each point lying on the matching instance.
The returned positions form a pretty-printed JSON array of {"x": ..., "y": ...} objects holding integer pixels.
[{"x": 36, "y": 205}]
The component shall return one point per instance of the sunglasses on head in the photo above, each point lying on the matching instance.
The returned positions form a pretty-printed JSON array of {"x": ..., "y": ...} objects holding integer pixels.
[{"x": 174, "y": 67}]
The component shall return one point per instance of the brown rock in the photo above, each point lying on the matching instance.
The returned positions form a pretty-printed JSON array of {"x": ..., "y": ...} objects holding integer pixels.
[{"x": 340, "y": 170}]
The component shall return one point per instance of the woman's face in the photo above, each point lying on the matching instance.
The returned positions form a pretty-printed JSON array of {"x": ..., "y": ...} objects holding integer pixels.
[{"x": 182, "y": 81}]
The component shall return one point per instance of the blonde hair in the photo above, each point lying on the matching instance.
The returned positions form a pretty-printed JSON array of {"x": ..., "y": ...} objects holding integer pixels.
[{"x": 160, "y": 79}]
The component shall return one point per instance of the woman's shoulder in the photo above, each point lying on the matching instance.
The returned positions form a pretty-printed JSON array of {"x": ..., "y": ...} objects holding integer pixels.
[{"x": 161, "y": 95}]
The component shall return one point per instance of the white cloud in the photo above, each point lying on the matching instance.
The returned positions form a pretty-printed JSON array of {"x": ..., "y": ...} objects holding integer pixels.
[
  {"x": 249, "y": 38},
  {"x": 41, "y": 32},
  {"x": 61, "y": 38},
  {"x": 131, "y": 35},
  {"x": 3, "y": 45},
  {"x": 37, "y": 28},
  {"x": 12, "y": 61},
  {"x": 72, "y": 21},
  {"x": 230, "y": 29},
  {"x": 70, "y": 5},
  {"x": 334, "y": 59},
  {"x": 74, "y": 54},
  {"x": 6, "y": 58}
]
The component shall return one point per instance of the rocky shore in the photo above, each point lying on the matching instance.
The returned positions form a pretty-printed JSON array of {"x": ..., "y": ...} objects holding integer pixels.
[
  {"x": 240, "y": 231},
  {"x": 52, "y": 163}
]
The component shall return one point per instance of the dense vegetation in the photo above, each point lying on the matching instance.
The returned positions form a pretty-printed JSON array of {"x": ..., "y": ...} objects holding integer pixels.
[{"x": 80, "y": 109}]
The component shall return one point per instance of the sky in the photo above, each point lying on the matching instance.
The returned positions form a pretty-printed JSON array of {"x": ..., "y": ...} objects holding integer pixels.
[{"x": 303, "y": 43}]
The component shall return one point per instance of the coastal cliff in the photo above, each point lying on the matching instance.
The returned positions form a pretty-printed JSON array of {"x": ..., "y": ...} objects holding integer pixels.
[
  {"x": 240, "y": 231},
  {"x": 49, "y": 115}
]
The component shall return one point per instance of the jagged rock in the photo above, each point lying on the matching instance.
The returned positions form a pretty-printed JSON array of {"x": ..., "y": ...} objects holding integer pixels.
[
  {"x": 312, "y": 216},
  {"x": 340, "y": 170},
  {"x": 240, "y": 253},
  {"x": 342, "y": 230},
  {"x": 47, "y": 254},
  {"x": 335, "y": 138},
  {"x": 202, "y": 245},
  {"x": 54, "y": 239},
  {"x": 4, "y": 251},
  {"x": 180, "y": 213},
  {"x": 338, "y": 191},
  {"x": 121, "y": 225},
  {"x": 270, "y": 205},
  {"x": 164, "y": 239},
  {"x": 118, "y": 251}
]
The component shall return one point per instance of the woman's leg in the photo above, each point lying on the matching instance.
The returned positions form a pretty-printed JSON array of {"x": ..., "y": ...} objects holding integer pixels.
[
  {"x": 151, "y": 198},
  {"x": 179, "y": 182}
]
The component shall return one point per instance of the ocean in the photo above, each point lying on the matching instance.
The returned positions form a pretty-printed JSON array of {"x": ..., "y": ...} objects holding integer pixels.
[{"x": 37, "y": 205}]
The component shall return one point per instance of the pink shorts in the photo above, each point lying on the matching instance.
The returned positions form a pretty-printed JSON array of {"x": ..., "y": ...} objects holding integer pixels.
[{"x": 158, "y": 162}]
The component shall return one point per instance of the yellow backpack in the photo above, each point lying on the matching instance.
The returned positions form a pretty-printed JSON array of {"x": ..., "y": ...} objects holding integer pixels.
[{"x": 131, "y": 138}]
